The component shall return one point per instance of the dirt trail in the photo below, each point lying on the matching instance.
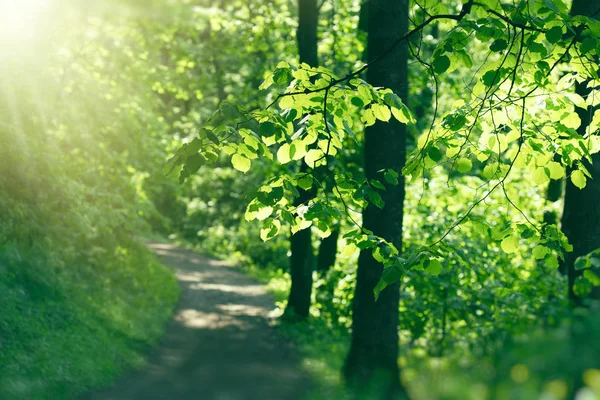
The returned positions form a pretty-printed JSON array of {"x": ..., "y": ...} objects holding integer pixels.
[{"x": 219, "y": 345}]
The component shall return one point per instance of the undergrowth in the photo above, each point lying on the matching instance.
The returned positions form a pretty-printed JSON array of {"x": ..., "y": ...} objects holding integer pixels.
[{"x": 69, "y": 327}]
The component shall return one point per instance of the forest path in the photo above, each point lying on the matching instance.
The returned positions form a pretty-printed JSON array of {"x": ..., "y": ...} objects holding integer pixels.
[{"x": 219, "y": 344}]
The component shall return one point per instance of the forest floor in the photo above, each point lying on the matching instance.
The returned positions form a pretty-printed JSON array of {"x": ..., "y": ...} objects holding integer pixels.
[{"x": 220, "y": 344}]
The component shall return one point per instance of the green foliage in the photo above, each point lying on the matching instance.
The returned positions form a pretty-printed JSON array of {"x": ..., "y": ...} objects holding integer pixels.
[
  {"x": 496, "y": 122},
  {"x": 506, "y": 124}
]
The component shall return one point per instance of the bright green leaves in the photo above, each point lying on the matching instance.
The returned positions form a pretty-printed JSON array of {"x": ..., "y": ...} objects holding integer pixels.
[
  {"x": 395, "y": 266},
  {"x": 578, "y": 179},
  {"x": 463, "y": 165},
  {"x": 541, "y": 176},
  {"x": 510, "y": 244},
  {"x": 556, "y": 170},
  {"x": 241, "y": 163},
  {"x": 270, "y": 229},
  {"x": 399, "y": 110},
  {"x": 305, "y": 182},
  {"x": 433, "y": 267},
  {"x": 381, "y": 112},
  {"x": 284, "y": 154},
  {"x": 455, "y": 121},
  {"x": 281, "y": 76}
]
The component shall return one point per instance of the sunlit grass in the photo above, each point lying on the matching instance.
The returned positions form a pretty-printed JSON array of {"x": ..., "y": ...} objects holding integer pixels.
[{"x": 61, "y": 337}]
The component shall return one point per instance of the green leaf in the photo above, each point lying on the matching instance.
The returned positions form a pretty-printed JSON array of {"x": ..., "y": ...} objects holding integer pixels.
[
  {"x": 588, "y": 44},
  {"x": 491, "y": 78},
  {"x": 305, "y": 182},
  {"x": 463, "y": 165},
  {"x": 193, "y": 163},
  {"x": 283, "y": 154},
  {"x": 464, "y": 58},
  {"x": 381, "y": 112},
  {"x": 282, "y": 76},
  {"x": 241, "y": 163},
  {"x": 391, "y": 177},
  {"x": 267, "y": 129},
  {"x": 433, "y": 267},
  {"x": 264, "y": 213},
  {"x": 393, "y": 100},
  {"x": 551, "y": 262},
  {"x": 391, "y": 274},
  {"x": 376, "y": 184},
  {"x": 270, "y": 229},
  {"x": 434, "y": 153},
  {"x": 402, "y": 115},
  {"x": 510, "y": 244},
  {"x": 379, "y": 288},
  {"x": 399, "y": 110},
  {"x": 536, "y": 47},
  {"x": 582, "y": 263},
  {"x": 554, "y": 34},
  {"x": 375, "y": 198},
  {"x": 357, "y": 101},
  {"x": 286, "y": 102},
  {"x": 230, "y": 110},
  {"x": 557, "y": 171},
  {"x": 540, "y": 176},
  {"x": 297, "y": 150},
  {"x": 212, "y": 137},
  {"x": 499, "y": 45},
  {"x": 312, "y": 156},
  {"x": 441, "y": 64},
  {"x": 539, "y": 252},
  {"x": 455, "y": 120},
  {"x": 578, "y": 179}
]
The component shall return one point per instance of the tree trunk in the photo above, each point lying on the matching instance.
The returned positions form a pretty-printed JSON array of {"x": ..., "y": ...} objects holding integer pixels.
[
  {"x": 328, "y": 251},
  {"x": 308, "y": 17},
  {"x": 581, "y": 215},
  {"x": 301, "y": 259},
  {"x": 374, "y": 346}
]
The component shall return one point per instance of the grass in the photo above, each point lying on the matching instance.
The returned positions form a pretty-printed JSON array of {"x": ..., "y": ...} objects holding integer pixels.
[{"x": 69, "y": 328}]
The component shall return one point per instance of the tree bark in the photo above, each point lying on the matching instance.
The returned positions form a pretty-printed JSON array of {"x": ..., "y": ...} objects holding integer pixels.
[
  {"x": 374, "y": 346},
  {"x": 328, "y": 251},
  {"x": 308, "y": 17},
  {"x": 581, "y": 215},
  {"x": 302, "y": 257}
]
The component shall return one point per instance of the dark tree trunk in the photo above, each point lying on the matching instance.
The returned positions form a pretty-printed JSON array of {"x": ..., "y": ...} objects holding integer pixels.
[
  {"x": 581, "y": 215},
  {"x": 363, "y": 16},
  {"x": 328, "y": 251},
  {"x": 302, "y": 258},
  {"x": 308, "y": 17},
  {"x": 374, "y": 346}
]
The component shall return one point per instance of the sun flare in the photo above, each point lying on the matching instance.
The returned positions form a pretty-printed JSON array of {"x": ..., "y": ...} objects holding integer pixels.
[{"x": 20, "y": 20}]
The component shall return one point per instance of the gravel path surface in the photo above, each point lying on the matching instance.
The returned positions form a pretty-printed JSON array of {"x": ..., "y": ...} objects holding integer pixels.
[{"x": 219, "y": 345}]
